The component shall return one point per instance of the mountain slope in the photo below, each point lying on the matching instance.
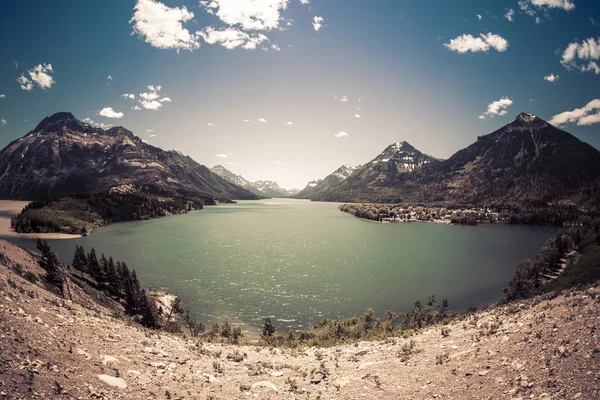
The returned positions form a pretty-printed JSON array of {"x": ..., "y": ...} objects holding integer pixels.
[
  {"x": 379, "y": 179},
  {"x": 315, "y": 188},
  {"x": 527, "y": 161},
  {"x": 63, "y": 156}
]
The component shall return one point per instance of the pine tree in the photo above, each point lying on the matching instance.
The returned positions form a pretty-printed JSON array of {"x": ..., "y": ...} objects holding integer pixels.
[
  {"x": 147, "y": 310},
  {"x": 112, "y": 278},
  {"x": 52, "y": 265},
  {"x": 103, "y": 271},
  {"x": 80, "y": 260},
  {"x": 93, "y": 266}
]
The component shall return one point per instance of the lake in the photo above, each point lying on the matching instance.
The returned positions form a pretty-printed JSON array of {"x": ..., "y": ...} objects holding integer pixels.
[{"x": 299, "y": 261}]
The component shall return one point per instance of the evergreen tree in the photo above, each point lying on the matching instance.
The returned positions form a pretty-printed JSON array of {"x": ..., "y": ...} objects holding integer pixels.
[
  {"x": 147, "y": 310},
  {"x": 102, "y": 277},
  {"x": 52, "y": 265},
  {"x": 94, "y": 266},
  {"x": 268, "y": 328},
  {"x": 80, "y": 260},
  {"x": 112, "y": 277}
]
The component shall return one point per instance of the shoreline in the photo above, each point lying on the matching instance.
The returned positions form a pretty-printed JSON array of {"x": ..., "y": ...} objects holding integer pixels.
[{"x": 10, "y": 208}]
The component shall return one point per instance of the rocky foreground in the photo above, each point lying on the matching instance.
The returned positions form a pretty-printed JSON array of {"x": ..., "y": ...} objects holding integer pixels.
[{"x": 63, "y": 349}]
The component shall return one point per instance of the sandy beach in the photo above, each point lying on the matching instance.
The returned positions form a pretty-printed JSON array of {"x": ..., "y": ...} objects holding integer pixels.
[{"x": 9, "y": 208}]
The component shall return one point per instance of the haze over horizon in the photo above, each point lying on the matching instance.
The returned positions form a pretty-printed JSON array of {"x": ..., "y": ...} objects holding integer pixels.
[{"x": 289, "y": 90}]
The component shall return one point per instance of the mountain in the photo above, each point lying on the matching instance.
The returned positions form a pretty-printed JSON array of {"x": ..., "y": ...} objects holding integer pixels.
[
  {"x": 528, "y": 161},
  {"x": 260, "y": 188},
  {"x": 315, "y": 188},
  {"x": 271, "y": 189},
  {"x": 63, "y": 156},
  {"x": 378, "y": 180}
]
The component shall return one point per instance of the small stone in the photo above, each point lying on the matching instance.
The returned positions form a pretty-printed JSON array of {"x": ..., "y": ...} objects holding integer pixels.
[
  {"x": 210, "y": 378},
  {"x": 113, "y": 381},
  {"x": 265, "y": 384},
  {"x": 483, "y": 373},
  {"x": 276, "y": 373}
]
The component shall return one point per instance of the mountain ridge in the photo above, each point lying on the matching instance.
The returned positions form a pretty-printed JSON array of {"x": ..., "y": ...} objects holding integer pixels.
[
  {"x": 527, "y": 160},
  {"x": 63, "y": 156}
]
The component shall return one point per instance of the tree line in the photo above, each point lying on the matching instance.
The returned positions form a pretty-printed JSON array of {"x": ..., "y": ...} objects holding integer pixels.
[{"x": 111, "y": 277}]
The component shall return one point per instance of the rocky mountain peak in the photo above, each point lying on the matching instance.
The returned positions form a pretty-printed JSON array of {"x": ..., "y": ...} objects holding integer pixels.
[
  {"x": 59, "y": 120},
  {"x": 527, "y": 120}
]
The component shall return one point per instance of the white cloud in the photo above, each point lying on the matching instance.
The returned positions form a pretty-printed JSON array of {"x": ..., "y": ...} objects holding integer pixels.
[
  {"x": 275, "y": 47},
  {"x": 109, "y": 78},
  {"x": 582, "y": 56},
  {"x": 258, "y": 15},
  {"x": 128, "y": 96},
  {"x": 97, "y": 124},
  {"x": 479, "y": 17},
  {"x": 564, "y": 4},
  {"x": 136, "y": 108},
  {"x": 221, "y": 155},
  {"x": 551, "y": 77},
  {"x": 593, "y": 21},
  {"x": 152, "y": 100},
  {"x": 356, "y": 115},
  {"x": 39, "y": 74},
  {"x": 344, "y": 99},
  {"x": 340, "y": 134},
  {"x": 229, "y": 163},
  {"x": 289, "y": 123},
  {"x": 277, "y": 162},
  {"x": 4, "y": 121},
  {"x": 211, "y": 124},
  {"x": 483, "y": 42},
  {"x": 262, "y": 120},
  {"x": 108, "y": 112},
  {"x": 161, "y": 26},
  {"x": 588, "y": 115},
  {"x": 2, "y": 96},
  {"x": 317, "y": 23},
  {"x": 498, "y": 107},
  {"x": 509, "y": 14},
  {"x": 230, "y": 38},
  {"x": 304, "y": 1}
]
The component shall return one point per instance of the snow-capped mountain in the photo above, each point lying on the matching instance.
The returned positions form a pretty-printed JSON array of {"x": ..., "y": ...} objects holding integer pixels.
[
  {"x": 260, "y": 188},
  {"x": 527, "y": 160},
  {"x": 315, "y": 188}
]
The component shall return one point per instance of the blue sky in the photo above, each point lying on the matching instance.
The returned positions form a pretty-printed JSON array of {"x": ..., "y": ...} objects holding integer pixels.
[{"x": 235, "y": 74}]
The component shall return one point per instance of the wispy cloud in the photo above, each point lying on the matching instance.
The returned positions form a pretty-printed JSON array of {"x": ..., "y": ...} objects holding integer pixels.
[
  {"x": 3, "y": 121},
  {"x": 510, "y": 13},
  {"x": 162, "y": 26},
  {"x": 498, "y": 107},
  {"x": 40, "y": 75},
  {"x": 108, "y": 112},
  {"x": 128, "y": 96},
  {"x": 262, "y": 120},
  {"x": 97, "y": 124},
  {"x": 317, "y": 22},
  {"x": 356, "y": 115},
  {"x": 567, "y": 5},
  {"x": 2, "y": 95},
  {"x": 479, "y": 17},
  {"x": 230, "y": 38},
  {"x": 211, "y": 124},
  {"x": 341, "y": 134},
  {"x": 289, "y": 123},
  {"x": 587, "y": 115},
  {"x": 582, "y": 56},
  {"x": 483, "y": 42},
  {"x": 221, "y": 155},
  {"x": 551, "y": 77},
  {"x": 344, "y": 99},
  {"x": 109, "y": 78},
  {"x": 277, "y": 162}
]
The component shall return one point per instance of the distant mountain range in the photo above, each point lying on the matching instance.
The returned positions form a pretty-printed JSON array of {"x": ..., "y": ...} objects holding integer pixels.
[
  {"x": 528, "y": 161},
  {"x": 318, "y": 187},
  {"x": 63, "y": 156},
  {"x": 259, "y": 188}
]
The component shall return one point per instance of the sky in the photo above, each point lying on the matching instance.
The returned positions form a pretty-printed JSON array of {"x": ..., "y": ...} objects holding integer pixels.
[{"x": 289, "y": 90}]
